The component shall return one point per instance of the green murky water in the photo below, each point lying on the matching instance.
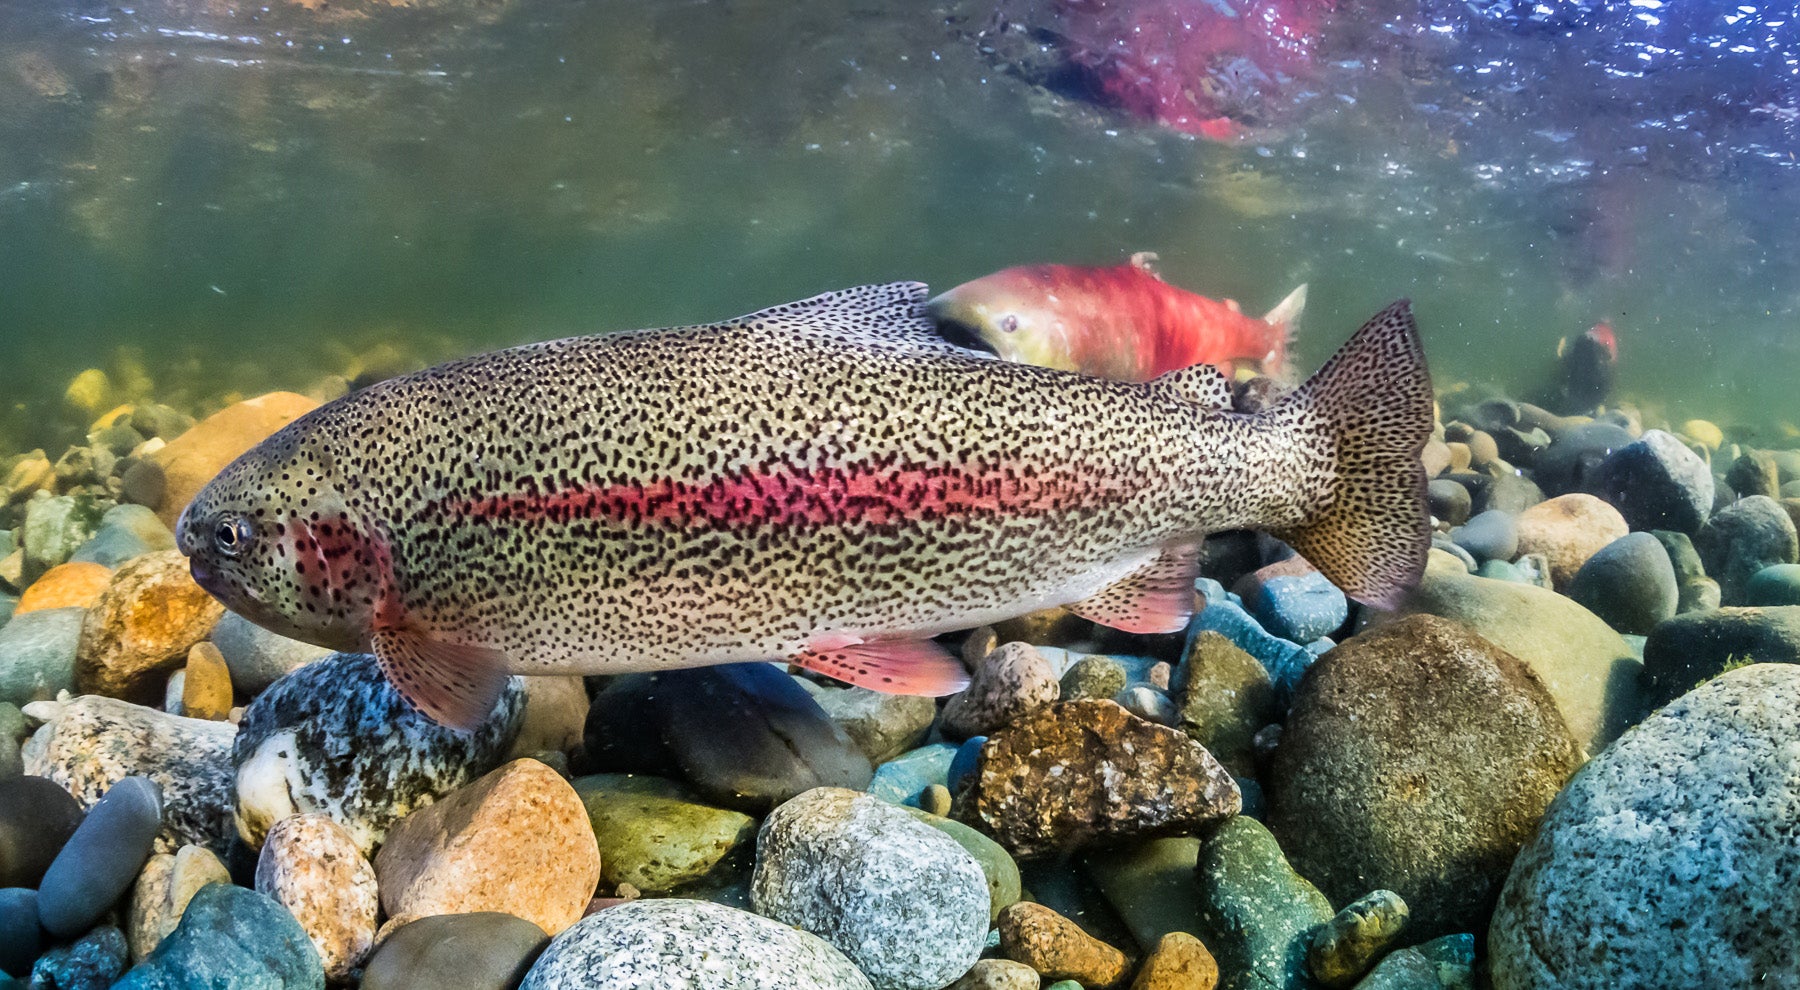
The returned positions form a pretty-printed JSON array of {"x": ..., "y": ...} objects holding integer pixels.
[{"x": 204, "y": 198}]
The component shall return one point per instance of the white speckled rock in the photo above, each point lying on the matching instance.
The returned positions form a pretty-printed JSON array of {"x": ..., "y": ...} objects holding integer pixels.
[
  {"x": 163, "y": 891},
  {"x": 688, "y": 945},
  {"x": 311, "y": 866},
  {"x": 335, "y": 737},
  {"x": 1670, "y": 859},
  {"x": 904, "y": 901},
  {"x": 91, "y": 743},
  {"x": 1007, "y": 683}
]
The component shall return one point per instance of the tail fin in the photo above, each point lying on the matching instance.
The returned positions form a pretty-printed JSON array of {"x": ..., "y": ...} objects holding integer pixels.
[
  {"x": 1373, "y": 404},
  {"x": 1285, "y": 318}
]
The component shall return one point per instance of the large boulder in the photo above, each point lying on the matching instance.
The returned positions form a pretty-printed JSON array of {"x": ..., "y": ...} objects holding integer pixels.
[
  {"x": 1417, "y": 758},
  {"x": 1743, "y": 538},
  {"x": 1587, "y": 667},
  {"x": 1656, "y": 482},
  {"x": 1670, "y": 859},
  {"x": 1691, "y": 648}
]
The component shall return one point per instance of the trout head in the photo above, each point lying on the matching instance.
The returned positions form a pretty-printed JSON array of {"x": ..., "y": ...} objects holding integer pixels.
[
  {"x": 1010, "y": 313},
  {"x": 274, "y": 538}
]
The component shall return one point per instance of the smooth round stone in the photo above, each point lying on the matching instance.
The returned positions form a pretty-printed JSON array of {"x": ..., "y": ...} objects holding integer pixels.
[
  {"x": 56, "y": 527},
  {"x": 126, "y": 532},
  {"x": 1224, "y": 697},
  {"x": 1057, "y": 948},
  {"x": 335, "y": 737},
  {"x": 679, "y": 944},
  {"x": 996, "y": 864},
  {"x": 20, "y": 938},
  {"x": 1150, "y": 705},
  {"x": 1777, "y": 584},
  {"x": 142, "y": 627},
  {"x": 101, "y": 859},
  {"x": 849, "y": 868},
  {"x": 1704, "y": 433},
  {"x": 1448, "y": 501},
  {"x": 1500, "y": 570},
  {"x": 1492, "y": 535},
  {"x": 1093, "y": 677},
  {"x": 1692, "y": 648},
  {"x": 657, "y": 834},
  {"x": 1006, "y": 684},
  {"x": 311, "y": 866},
  {"x": 37, "y": 817},
  {"x": 1440, "y": 541},
  {"x": 1507, "y": 492},
  {"x": 998, "y": 974},
  {"x": 70, "y": 585},
  {"x": 480, "y": 951},
  {"x": 1256, "y": 914},
  {"x": 1699, "y": 595},
  {"x": 37, "y": 654},
  {"x": 1742, "y": 539},
  {"x": 1297, "y": 604},
  {"x": 882, "y": 725},
  {"x": 231, "y": 937},
  {"x": 162, "y": 892},
  {"x": 903, "y": 780},
  {"x": 205, "y": 684},
  {"x": 1684, "y": 825},
  {"x": 1753, "y": 473},
  {"x": 257, "y": 657},
  {"x": 92, "y": 742},
  {"x": 936, "y": 799},
  {"x": 1573, "y": 461},
  {"x": 967, "y": 757},
  {"x": 1568, "y": 530},
  {"x": 1629, "y": 583},
  {"x": 94, "y": 962}
]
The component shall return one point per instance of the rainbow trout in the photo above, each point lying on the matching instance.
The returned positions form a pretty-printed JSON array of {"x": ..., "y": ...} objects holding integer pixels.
[{"x": 826, "y": 482}]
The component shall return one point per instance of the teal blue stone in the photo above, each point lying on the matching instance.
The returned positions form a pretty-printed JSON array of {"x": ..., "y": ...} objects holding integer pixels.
[
  {"x": 231, "y": 937},
  {"x": 1298, "y": 607},
  {"x": 903, "y": 779},
  {"x": 968, "y": 756},
  {"x": 92, "y": 962},
  {"x": 1502, "y": 570},
  {"x": 1777, "y": 584},
  {"x": 126, "y": 532},
  {"x": 1256, "y": 914}
]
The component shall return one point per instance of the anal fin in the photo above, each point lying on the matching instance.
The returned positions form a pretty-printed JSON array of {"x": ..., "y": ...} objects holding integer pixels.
[
  {"x": 891, "y": 666},
  {"x": 1156, "y": 598},
  {"x": 453, "y": 684}
]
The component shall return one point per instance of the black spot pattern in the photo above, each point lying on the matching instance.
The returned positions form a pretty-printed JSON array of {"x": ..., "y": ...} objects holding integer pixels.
[{"x": 851, "y": 381}]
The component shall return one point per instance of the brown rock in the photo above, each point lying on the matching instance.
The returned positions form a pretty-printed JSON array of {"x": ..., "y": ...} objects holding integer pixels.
[
  {"x": 144, "y": 624},
  {"x": 311, "y": 866},
  {"x": 1568, "y": 530},
  {"x": 72, "y": 585},
  {"x": 1417, "y": 757},
  {"x": 1057, "y": 947},
  {"x": 206, "y": 688},
  {"x": 1179, "y": 962},
  {"x": 162, "y": 893},
  {"x": 32, "y": 473},
  {"x": 1077, "y": 772},
  {"x": 997, "y": 974},
  {"x": 190, "y": 460},
  {"x": 516, "y": 841},
  {"x": 1006, "y": 684},
  {"x": 1225, "y": 698}
]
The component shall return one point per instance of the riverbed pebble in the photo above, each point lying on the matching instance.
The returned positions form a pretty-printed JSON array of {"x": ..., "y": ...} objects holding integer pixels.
[
  {"x": 205, "y": 683},
  {"x": 311, "y": 866},
  {"x": 657, "y": 834},
  {"x": 126, "y": 532},
  {"x": 98, "y": 863},
  {"x": 1629, "y": 583},
  {"x": 334, "y": 736},
  {"x": 997, "y": 974},
  {"x": 1568, "y": 530},
  {"x": 1057, "y": 947},
  {"x": 257, "y": 657},
  {"x": 1292, "y": 600},
  {"x": 882, "y": 725},
  {"x": 1256, "y": 914},
  {"x": 1684, "y": 825},
  {"x": 1777, "y": 584},
  {"x": 71, "y": 585},
  {"x": 1078, "y": 772},
  {"x": 162, "y": 892},
  {"x": 37, "y": 654},
  {"x": 485, "y": 950},
  {"x": 677, "y": 944},
  {"x": 55, "y": 527},
  {"x": 1007, "y": 683},
  {"x": 1492, "y": 535},
  {"x": 142, "y": 627},
  {"x": 1690, "y": 649},
  {"x": 1224, "y": 697},
  {"x": 902, "y": 900},
  {"x": 231, "y": 937},
  {"x": 1742, "y": 539},
  {"x": 1344, "y": 948},
  {"x": 92, "y": 962},
  {"x": 21, "y": 939}
]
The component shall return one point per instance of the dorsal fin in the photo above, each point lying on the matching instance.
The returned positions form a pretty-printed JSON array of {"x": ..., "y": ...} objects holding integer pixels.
[
  {"x": 1202, "y": 385},
  {"x": 887, "y": 315}
]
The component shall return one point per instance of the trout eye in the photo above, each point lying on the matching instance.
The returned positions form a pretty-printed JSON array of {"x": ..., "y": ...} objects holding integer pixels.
[
  {"x": 1009, "y": 324},
  {"x": 231, "y": 534}
]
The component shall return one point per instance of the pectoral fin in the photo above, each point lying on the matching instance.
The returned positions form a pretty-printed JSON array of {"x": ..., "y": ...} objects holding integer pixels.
[
  {"x": 453, "y": 684},
  {"x": 1156, "y": 598},
  {"x": 891, "y": 666}
]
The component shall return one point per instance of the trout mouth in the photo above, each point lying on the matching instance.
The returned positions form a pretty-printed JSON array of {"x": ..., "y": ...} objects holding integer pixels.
[{"x": 962, "y": 335}]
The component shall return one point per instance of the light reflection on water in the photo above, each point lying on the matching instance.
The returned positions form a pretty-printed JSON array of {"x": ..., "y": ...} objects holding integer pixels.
[{"x": 246, "y": 198}]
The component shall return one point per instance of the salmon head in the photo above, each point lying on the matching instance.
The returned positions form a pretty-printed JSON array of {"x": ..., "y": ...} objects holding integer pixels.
[
  {"x": 1016, "y": 313},
  {"x": 275, "y": 538}
]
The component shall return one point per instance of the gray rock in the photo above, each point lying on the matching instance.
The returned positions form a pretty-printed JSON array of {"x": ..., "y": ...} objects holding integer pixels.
[
  {"x": 1493, "y": 535},
  {"x": 996, "y": 863},
  {"x": 1699, "y": 595},
  {"x": 904, "y": 779},
  {"x": 1777, "y": 584},
  {"x": 1405, "y": 969},
  {"x": 56, "y": 527},
  {"x": 1573, "y": 462},
  {"x": 1511, "y": 493},
  {"x": 20, "y": 938},
  {"x": 93, "y": 742},
  {"x": 1449, "y": 501},
  {"x": 1682, "y": 555},
  {"x": 36, "y": 818},
  {"x": 998, "y": 974},
  {"x": 882, "y": 725},
  {"x": 1296, "y": 603},
  {"x": 231, "y": 937},
  {"x": 1687, "y": 650},
  {"x": 258, "y": 657},
  {"x": 335, "y": 737},
  {"x": 1744, "y": 538},
  {"x": 93, "y": 962},
  {"x": 1224, "y": 697},
  {"x": 555, "y": 714},
  {"x": 902, "y": 900},
  {"x": 1150, "y": 885},
  {"x": 1684, "y": 825},
  {"x": 37, "y": 654},
  {"x": 1006, "y": 684},
  {"x": 1095, "y": 678},
  {"x": 481, "y": 951},
  {"x": 102, "y": 858},
  {"x": 689, "y": 945},
  {"x": 125, "y": 532},
  {"x": 1417, "y": 758},
  {"x": 1629, "y": 583},
  {"x": 1754, "y": 473},
  {"x": 1656, "y": 482}
]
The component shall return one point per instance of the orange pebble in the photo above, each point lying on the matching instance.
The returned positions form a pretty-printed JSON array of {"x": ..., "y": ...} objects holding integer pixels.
[{"x": 74, "y": 585}]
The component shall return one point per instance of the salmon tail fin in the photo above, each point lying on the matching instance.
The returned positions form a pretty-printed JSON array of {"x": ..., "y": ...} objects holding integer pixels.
[
  {"x": 1373, "y": 407},
  {"x": 1285, "y": 318}
]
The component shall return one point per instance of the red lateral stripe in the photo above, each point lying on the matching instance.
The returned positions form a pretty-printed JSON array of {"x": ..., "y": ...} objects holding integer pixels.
[{"x": 786, "y": 497}]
